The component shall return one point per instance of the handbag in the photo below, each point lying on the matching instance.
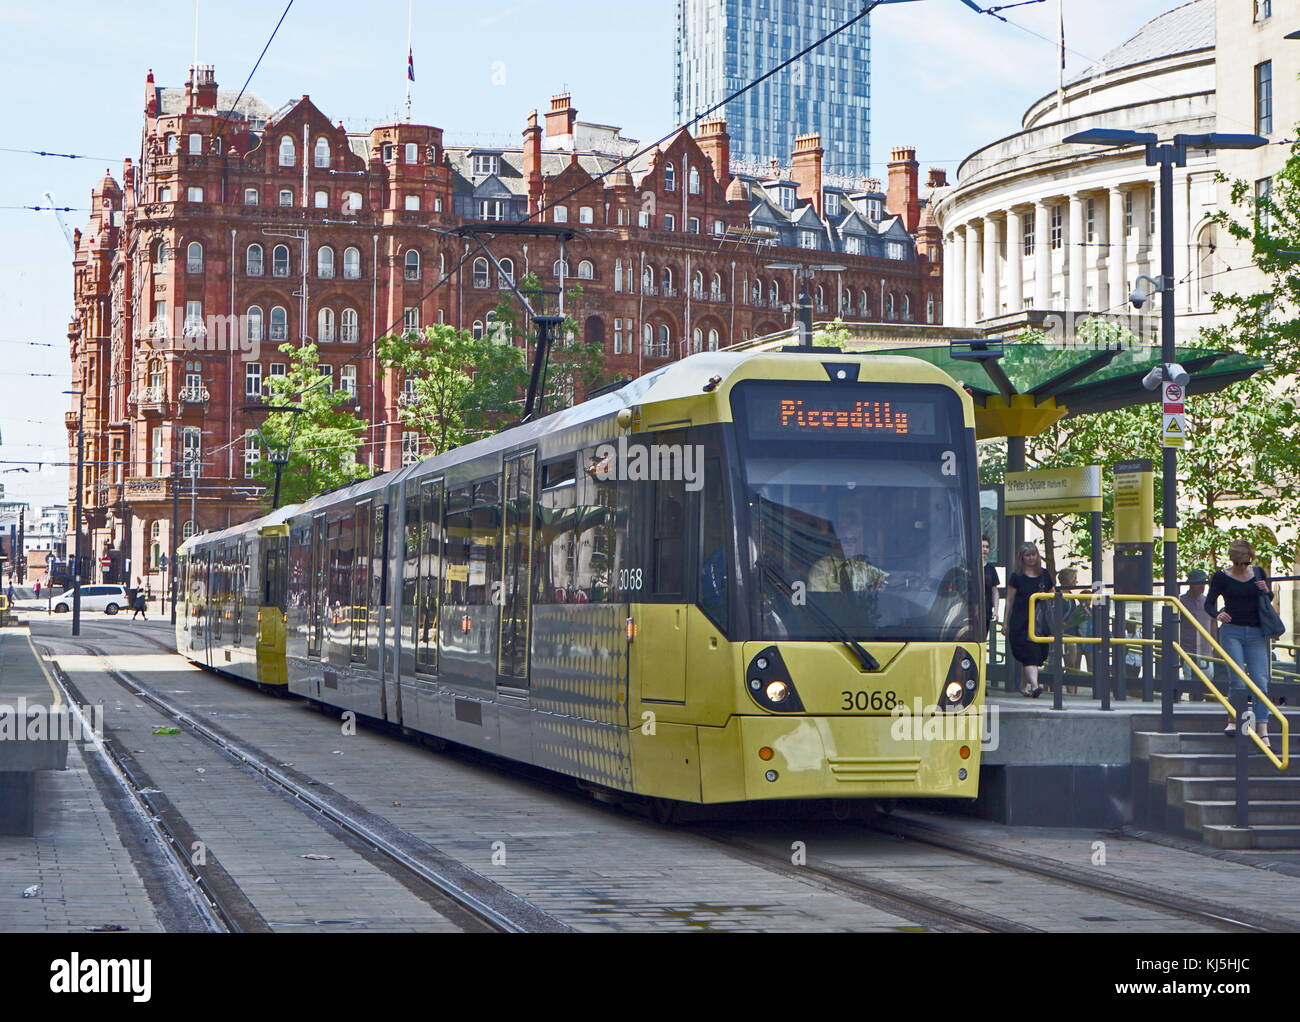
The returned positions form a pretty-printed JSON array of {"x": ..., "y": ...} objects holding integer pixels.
[
  {"x": 1043, "y": 611},
  {"x": 1270, "y": 622}
]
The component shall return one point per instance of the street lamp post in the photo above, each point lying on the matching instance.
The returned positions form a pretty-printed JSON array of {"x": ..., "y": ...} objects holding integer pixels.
[
  {"x": 76, "y": 519},
  {"x": 804, "y": 310},
  {"x": 1167, "y": 156}
]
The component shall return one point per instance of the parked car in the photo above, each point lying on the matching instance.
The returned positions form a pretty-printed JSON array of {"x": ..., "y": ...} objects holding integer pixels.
[{"x": 109, "y": 599}]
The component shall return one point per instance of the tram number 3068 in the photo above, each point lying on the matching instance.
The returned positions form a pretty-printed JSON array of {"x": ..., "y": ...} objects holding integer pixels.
[
  {"x": 863, "y": 700},
  {"x": 629, "y": 578}
]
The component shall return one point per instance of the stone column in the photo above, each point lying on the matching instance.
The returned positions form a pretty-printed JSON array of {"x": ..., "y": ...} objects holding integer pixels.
[
  {"x": 948, "y": 258},
  {"x": 1116, "y": 254},
  {"x": 1015, "y": 261},
  {"x": 1075, "y": 252},
  {"x": 1042, "y": 256},
  {"x": 992, "y": 246},
  {"x": 972, "y": 273},
  {"x": 954, "y": 310}
]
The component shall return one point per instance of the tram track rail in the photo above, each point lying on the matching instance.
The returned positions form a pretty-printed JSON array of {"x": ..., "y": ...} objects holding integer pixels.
[
  {"x": 1223, "y": 916},
  {"x": 492, "y": 906}
]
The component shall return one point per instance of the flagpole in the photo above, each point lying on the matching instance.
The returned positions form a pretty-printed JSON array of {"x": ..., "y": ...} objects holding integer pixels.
[
  {"x": 410, "y": 60},
  {"x": 1060, "y": 70}
]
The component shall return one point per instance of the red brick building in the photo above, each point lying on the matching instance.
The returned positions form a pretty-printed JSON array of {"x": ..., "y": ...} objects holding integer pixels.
[{"x": 236, "y": 230}]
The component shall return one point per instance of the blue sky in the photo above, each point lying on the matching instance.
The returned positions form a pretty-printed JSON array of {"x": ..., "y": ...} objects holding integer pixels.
[{"x": 944, "y": 80}]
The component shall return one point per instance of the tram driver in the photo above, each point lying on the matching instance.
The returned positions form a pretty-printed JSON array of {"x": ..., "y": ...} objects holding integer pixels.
[{"x": 847, "y": 569}]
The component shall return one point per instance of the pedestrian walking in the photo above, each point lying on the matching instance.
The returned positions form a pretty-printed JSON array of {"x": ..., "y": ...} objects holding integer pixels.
[
  {"x": 1241, "y": 631},
  {"x": 991, "y": 583},
  {"x": 1028, "y": 576},
  {"x": 38, "y": 588},
  {"x": 1190, "y": 637},
  {"x": 140, "y": 605}
]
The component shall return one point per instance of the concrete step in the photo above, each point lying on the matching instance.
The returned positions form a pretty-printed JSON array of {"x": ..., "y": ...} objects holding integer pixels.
[
  {"x": 1182, "y": 790},
  {"x": 1163, "y": 766},
  {"x": 1266, "y": 835},
  {"x": 1199, "y": 815},
  {"x": 1148, "y": 743},
  {"x": 1205, "y": 721}
]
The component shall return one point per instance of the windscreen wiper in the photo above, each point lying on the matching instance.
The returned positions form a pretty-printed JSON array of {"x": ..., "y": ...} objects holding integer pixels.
[{"x": 865, "y": 659}]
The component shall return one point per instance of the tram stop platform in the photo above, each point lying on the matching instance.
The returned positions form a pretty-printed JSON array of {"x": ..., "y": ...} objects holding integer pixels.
[
  {"x": 33, "y": 729},
  {"x": 1083, "y": 766}
]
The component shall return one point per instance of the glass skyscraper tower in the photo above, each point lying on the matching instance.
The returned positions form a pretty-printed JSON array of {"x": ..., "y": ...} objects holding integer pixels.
[{"x": 723, "y": 44}]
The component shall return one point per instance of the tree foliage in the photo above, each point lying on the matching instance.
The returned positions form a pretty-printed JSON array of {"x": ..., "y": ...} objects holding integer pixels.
[{"x": 321, "y": 437}]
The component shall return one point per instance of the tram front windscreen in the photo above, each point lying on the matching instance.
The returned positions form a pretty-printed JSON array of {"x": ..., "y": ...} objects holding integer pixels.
[{"x": 857, "y": 505}]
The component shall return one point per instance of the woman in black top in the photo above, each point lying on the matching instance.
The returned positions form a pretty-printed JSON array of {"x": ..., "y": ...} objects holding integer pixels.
[
  {"x": 1239, "y": 632},
  {"x": 1028, "y": 576}
]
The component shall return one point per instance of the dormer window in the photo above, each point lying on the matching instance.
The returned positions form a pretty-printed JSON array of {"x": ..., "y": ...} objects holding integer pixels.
[
  {"x": 787, "y": 197},
  {"x": 807, "y": 239},
  {"x": 853, "y": 245},
  {"x": 485, "y": 166},
  {"x": 670, "y": 178},
  {"x": 832, "y": 204},
  {"x": 321, "y": 156},
  {"x": 694, "y": 181},
  {"x": 288, "y": 152},
  {"x": 412, "y": 153},
  {"x": 388, "y": 152}
]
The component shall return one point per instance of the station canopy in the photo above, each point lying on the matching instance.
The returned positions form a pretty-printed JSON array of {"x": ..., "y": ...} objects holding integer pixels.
[{"x": 1032, "y": 386}]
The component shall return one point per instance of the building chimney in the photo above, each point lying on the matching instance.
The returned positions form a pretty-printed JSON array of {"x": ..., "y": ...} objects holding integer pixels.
[
  {"x": 806, "y": 168},
  {"x": 150, "y": 96},
  {"x": 902, "y": 198},
  {"x": 533, "y": 162},
  {"x": 205, "y": 87},
  {"x": 561, "y": 117},
  {"x": 938, "y": 178},
  {"x": 715, "y": 143}
]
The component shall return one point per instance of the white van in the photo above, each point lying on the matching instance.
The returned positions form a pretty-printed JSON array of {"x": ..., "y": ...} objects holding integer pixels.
[{"x": 109, "y": 599}]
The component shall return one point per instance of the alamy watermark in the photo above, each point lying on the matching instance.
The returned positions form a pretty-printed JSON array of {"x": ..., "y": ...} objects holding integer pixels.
[
  {"x": 237, "y": 334},
  {"x": 23, "y": 721},
  {"x": 921, "y": 723},
  {"x": 650, "y": 462}
]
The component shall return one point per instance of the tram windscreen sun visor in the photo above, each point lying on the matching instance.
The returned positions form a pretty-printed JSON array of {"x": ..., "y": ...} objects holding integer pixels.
[{"x": 877, "y": 526}]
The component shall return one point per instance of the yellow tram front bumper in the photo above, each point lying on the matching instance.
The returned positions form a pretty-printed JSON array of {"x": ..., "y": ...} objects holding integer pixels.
[{"x": 841, "y": 757}]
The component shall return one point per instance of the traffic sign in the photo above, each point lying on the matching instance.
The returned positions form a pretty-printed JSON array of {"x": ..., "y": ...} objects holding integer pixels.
[
  {"x": 106, "y": 562},
  {"x": 1174, "y": 394},
  {"x": 1174, "y": 431}
]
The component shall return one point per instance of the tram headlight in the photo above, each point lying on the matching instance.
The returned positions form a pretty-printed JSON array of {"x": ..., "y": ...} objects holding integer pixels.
[
  {"x": 769, "y": 684},
  {"x": 962, "y": 683}
]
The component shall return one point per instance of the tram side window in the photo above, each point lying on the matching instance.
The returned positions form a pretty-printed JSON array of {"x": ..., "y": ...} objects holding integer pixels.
[
  {"x": 275, "y": 558},
  {"x": 669, "y": 532},
  {"x": 713, "y": 544},
  {"x": 556, "y": 531},
  {"x": 473, "y": 523},
  {"x": 429, "y": 545},
  {"x": 594, "y": 562},
  {"x": 338, "y": 598},
  {"x": 411, "y": 562},
  {"x": 358, "y": 615}
]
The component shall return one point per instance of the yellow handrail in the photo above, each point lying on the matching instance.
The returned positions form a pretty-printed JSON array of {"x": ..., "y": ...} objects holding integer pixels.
[{"x": 1170, "y": 601}]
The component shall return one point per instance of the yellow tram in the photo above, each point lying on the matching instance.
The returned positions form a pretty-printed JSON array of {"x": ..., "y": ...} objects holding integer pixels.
[{"x": 743, "y": 576}]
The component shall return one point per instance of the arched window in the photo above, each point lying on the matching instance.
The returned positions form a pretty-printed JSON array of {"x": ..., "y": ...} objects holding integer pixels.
[
  {"x": 506, "y": 275},
  {"x": 325, "y": 325},
  {"x": 351, "y": 263},
  {"x": 411, "y": 264},
  {"x": 253, "y": 323},
  {"x": 351, "y": 329},
  {"x": 279, "y": 324},
  {"x": 774, "y": 294},
  {"x": 864, "y": 304},
  {"x": 693, "y": 181},
  {"x": 250, "y": 197},
  {"x": 160, "y": 253},
  {"x": 889, "y": 305},
  {"x": 820, "y": 297},
  {"x": 288, "y": 152},
  {"x": 325, "y": 261},
  {"x": 715, "y": 287},
  {"x": 757, "y": 293},
  {"x": 713, "y": 340},
  {"x": 188, "y": 530},
  {"x": 648, "y": 279},
  {"x": 171, "y": 145},
  {"x": 585, "y": 215},
  {"x": 929, "y": 308},
  {"x": 697, "y": 284},
  {"x": 907, "y": 308},
  {"x": 667, "y": 278},
  {"x": 196, "y": 144},
  {"x": 665, "y": 341},
  {"x": 193, "y": 257},
  {"x": 560, "y": 215},
  {"x": 481, "y": 278},
  {"x": 560, "y": 268},
  {"x": 697, "y": 340},
  {"x": 280, "y": 261},
  {"x": 412, "y": 152},
  {"x": 586, "y": 271},
  {"x": 670, "y": 178},
  {"x": 477, "y": 330},
  {"x": 157, "y": 376},
  {"x": 321, "y": 199},
  {"x": 647, "y": 338},
  {"x": 321, "y": 156},
  {"x": 286, "y": 196}
]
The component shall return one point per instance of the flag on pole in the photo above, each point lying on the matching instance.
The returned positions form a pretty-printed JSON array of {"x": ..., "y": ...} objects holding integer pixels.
[{"x": 410, "y": 65}]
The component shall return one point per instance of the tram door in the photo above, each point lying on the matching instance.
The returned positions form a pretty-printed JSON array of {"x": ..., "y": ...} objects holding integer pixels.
[
  {"x": 514, "y": 590},
  {"x": 316, "y": 587}
]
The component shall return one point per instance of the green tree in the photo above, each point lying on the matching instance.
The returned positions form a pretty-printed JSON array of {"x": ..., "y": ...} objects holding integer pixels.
[
  {"x": 322, "y": 436},
  {"x": 462, "y": 387}
]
